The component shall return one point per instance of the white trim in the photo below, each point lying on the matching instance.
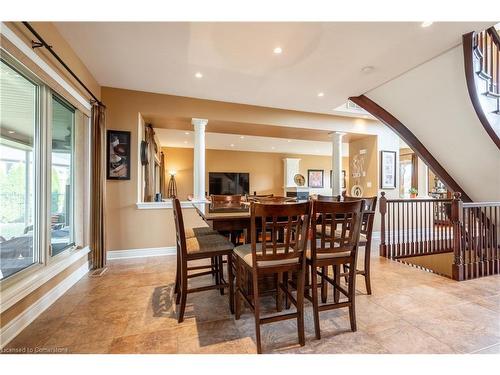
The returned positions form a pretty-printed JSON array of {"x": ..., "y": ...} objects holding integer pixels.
[
  {"x": 15, "y": 326},
  {"x": 141, "y": 253},
  {"x": 19, "y": 290},
  {"x": 18, "y": 42},
  {"x": 165, "y": 204}
]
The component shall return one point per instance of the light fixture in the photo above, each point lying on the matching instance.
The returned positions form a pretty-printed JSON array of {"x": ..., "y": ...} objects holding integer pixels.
[
  {"x": 242, "y": 137},
  {"x": 185, "y": 142},
  {"x": 321, "y": 94},
  {"x": 187, "y": 133},
  {"x": 277, "y": 50},
  {"x": 172, "y": 173},
  {"x": 11, "y": 131},
  {"x": 426, "y": 23},
  {"x": 272, "y": 148},
  {"x": 367, "y": 69},
  {"x": 232, "y": 145},
  {"x": 289, "y": 140},
  {"x": 198, "y": 75}
]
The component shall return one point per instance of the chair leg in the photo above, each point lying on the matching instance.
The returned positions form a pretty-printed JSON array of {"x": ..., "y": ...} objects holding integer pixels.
[
  {"x": 256, "y": 304},
  {"x": 300, "y": 306},
  {"x": 278, "y": 278},
  {"x": 324, "y": 285},
  {"x": 230, "y": 276},
  {"x": 221, "y": 273},
  {"x": 183, "y": 281},
  {"x": 237, "y": 301},
  {"x": 285, "y": 284},
  {"x": 336, "y": 276},
  {"x": 315, "y": 303},
  {"x": 367, "y": 270},
  {"x": 177, "y": 288},
  {"x": 352, "y": 294}
]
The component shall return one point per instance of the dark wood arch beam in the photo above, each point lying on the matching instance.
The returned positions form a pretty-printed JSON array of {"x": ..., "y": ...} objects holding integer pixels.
[
  {"x": 468, "y": 45},
  {"x": 411, "y": 140}
]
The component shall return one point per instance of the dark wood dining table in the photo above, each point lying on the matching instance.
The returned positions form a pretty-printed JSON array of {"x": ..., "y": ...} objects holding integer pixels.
[{"x": 226, "y": 217}]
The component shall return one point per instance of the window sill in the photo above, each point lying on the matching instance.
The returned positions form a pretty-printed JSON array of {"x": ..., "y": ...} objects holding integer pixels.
[
  {"x": 163, "y": 205},
  {"x": 17, "y": 291}
]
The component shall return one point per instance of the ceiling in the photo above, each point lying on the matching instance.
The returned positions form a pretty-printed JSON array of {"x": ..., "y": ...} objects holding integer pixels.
[
  {"x": 238, "y": 64},
  {"x": 236, "y": 142}
]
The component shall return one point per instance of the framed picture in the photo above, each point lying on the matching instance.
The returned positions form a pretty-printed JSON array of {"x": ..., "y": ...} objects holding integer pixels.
[
  {"x": 118, "y": 151},
  {"x": 387, "y": 169},
  {"x": 343, "y": 179},
  {"x": 315, "y": 178}
]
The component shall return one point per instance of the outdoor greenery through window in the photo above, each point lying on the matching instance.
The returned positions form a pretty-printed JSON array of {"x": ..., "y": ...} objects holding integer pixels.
[
  {"x": 18, "y": 119},
  {"x": 36, "y": 157}
]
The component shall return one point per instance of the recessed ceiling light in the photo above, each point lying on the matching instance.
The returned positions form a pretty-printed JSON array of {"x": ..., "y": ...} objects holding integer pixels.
[
  {"x": 198, "y": 75},
  {"x": 321, "y": 94},
  {"x": 232, "y": 145},
  {"x": 277, "y": 50},
  {"x": 426, "y": 23},
  {"x": 242, "y": 137},
  {"x": 272, "y": 148},
  {"x": 289, "y": 140},
  {"x": 187, "y": 133},
  {"x": 185, "y": 142},
  {"x": 11, "y": 131},
  {"x": 367, "y": 69}
]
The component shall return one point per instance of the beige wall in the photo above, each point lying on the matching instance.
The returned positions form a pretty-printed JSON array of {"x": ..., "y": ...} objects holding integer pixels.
[{"x": 265, "y": 168}]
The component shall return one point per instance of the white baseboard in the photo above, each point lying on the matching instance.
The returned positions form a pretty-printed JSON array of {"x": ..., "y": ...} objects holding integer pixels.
[
  {"x": 15, "y": 326},
  {"x": 141, "y": 253}
]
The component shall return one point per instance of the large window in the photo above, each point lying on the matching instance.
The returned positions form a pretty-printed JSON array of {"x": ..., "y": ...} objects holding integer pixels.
[
  {"x": 37, "y": 132},
  {"x": 18, "y": 151}
]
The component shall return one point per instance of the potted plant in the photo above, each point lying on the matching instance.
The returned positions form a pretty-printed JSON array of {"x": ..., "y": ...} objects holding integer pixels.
[{"x": 413, "y": 192}]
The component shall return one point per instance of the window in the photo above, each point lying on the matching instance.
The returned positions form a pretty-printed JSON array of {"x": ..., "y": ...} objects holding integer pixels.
[
  {"x": 18, "y": 156},
  {"x": 61, "y": 199},
  {"x": 37, "y": 162}
]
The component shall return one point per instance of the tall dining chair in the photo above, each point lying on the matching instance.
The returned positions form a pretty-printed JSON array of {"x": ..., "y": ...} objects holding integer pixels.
[
  {"x": 271, "y": 257},
  {"x": 333, "y": 245},
  {"x": 196, "y": 248},
  {"x": 365, "y": 237}
]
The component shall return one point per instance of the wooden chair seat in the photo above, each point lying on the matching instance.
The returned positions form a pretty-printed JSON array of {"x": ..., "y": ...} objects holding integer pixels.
[
  {"x": 208, "y": 244},
  {"x": 199, "y": 231},
  {"x": 341, "y": 254},
  {"x": 245, "y": 253}
]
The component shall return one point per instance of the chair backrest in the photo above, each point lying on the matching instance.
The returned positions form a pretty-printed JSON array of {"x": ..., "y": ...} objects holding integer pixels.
[
  {"x": 254, "y": 197},
  {"x": 369, "y": 213},
  {"x": 274, "y": 199},
  {"x": 180, "y": 234},
  {"x": 230, "y": 199},
  {"x": 328, "y": 198},
  {"x": 338, "y": 229},
  {"x": 289, "y": 220}
]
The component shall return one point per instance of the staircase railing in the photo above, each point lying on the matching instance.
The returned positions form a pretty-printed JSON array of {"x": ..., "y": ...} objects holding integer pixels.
[
  {"x": 418, "y": 227},
  {"x": 482, "y": 72},
  {"x": 476, "y": 228}
]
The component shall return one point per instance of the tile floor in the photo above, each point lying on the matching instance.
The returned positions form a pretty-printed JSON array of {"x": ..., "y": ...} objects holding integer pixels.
[{"x": 129, "y": 310}]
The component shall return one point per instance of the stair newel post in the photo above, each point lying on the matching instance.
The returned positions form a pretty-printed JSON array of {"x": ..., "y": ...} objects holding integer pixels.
[
  {"x": 383, "y": 211},
  {"x": 458, "y": 250}
]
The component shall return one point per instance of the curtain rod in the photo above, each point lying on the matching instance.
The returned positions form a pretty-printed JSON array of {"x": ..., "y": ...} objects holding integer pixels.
[{"x": 42, "y": 43}]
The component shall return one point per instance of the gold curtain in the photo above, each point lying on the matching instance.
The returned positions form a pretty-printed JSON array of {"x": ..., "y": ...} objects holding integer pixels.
[
  {"x": 98, "y": 186},
  {"x": 149, "y": 168},
  {"x": 163, "y": 187}
]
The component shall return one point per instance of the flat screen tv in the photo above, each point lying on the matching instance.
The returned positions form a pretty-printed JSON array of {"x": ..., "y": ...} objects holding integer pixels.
[{"x": 223, "y": 183}]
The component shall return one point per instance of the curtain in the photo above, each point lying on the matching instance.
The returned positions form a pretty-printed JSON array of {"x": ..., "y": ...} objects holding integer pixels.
[
  {"x": 163, "y": 187},
  {"x": 414, "y": 171},
  {"x": 98, "y": 186},
  {"x": 149, "y": 168}
]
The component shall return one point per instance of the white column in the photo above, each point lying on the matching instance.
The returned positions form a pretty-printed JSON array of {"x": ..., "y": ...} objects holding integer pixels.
[
  {"x": 199, "y": 125},
  {"x": 337, "y": 163}
]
